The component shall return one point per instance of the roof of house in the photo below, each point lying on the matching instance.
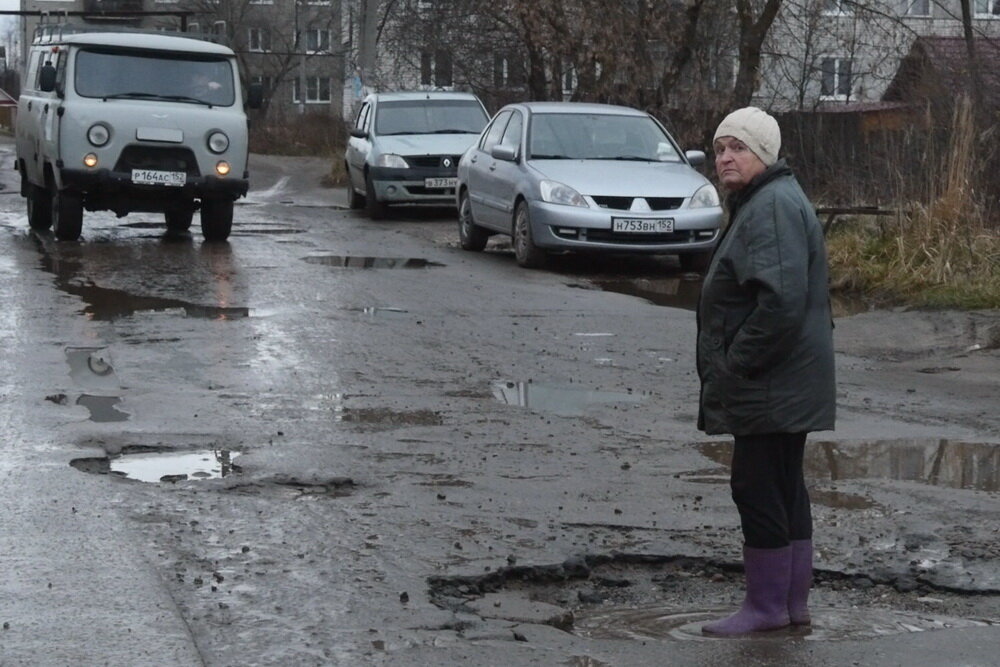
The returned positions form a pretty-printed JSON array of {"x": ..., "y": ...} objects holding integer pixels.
[{"x": 940, "y": 66}]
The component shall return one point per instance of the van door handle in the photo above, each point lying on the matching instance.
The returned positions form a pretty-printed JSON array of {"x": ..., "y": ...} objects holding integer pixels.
[
  {"x": 29, "y": 106},
  {"x": 493, "y": 167},
  {"x": 45, "y": 109}
]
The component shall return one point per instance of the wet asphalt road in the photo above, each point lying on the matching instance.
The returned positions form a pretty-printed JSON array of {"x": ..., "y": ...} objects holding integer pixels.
[{"x": 380, "y": 449}]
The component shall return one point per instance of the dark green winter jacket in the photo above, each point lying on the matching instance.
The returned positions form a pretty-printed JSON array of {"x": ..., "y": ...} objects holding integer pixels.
[{"x": 765, "y": 330}]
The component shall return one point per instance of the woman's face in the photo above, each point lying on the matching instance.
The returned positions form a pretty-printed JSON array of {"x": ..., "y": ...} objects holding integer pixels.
[{"x": 735, "y": 164}]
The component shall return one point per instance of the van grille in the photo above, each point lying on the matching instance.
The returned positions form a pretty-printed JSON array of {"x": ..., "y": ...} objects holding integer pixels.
[{"x": 162, "y": 158}]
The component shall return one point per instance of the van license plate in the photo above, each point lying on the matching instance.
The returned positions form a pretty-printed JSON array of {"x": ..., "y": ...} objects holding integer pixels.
[
  {"x": 155, "y": 177},
  {"x": 643, "y": 225},
  {"x": 440, "y": 182}
]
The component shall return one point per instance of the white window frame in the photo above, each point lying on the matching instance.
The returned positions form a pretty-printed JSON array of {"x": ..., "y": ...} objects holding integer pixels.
[
  {"x": 314, "y": 90},
  {"x": 841, "y": 8},
  {"x": 261, "y": 2},
  {"x": 219, "y": 28},
  {"x": 258, "y": 40},
  {"x": 318, "y": 32},
  {"x": 837, "y": 74},
  {"x": 918, "y": 8},
  {"x": 986, "y": 9}
]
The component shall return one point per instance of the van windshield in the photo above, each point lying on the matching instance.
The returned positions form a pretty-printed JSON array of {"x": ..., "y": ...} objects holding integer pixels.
[
  {"x": 108, "y": 73},
  {"x": 430, "y": 117}
]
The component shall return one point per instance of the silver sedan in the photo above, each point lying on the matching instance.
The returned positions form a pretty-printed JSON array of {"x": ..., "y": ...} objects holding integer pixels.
[{"x": 565, "y": 176}]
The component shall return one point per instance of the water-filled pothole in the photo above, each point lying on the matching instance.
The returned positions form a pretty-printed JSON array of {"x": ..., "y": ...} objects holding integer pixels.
[
  {"x": 675, "y": 292},
  {"x": 144, "y": 465},
  {"x": 350, "y": 262},
  {"x": 562, "y": 400},
  {"x": 945, "y": 463},
  {"x": 828, "y": 624},
  {"x": 102, "y": 408}
]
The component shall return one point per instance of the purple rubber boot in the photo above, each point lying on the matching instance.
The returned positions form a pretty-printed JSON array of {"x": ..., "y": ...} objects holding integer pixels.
[
  {"x": 802, "y": 574},
  {"x": 765, "y": 607}
]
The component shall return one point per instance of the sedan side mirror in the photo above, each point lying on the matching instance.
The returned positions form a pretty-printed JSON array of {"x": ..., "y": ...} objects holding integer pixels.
[
  {"x": 359, "y": 133},
  {"x": 696, "y": 158},
  {"x": 507, "y": 153}
]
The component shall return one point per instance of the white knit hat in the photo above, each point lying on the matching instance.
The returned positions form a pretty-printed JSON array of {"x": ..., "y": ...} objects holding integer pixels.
[{"x": 757, "y": 129}]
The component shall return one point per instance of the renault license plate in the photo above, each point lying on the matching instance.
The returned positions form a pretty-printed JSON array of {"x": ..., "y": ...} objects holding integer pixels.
[
  {"x": 157, "y": 177},
  {"x": 643, "y": 225},
  {"x": 440, "y": 182}
]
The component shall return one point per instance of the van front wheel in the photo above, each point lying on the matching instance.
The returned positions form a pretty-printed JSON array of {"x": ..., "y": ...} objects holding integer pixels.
[
  {"x": 67, "y": 215},
  {"x": 216, "y": 219},
  {"x": 39, "y": 208}
]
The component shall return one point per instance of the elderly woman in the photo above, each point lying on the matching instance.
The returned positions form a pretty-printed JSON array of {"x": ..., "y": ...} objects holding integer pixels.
[{"x": 765, "y": 360}]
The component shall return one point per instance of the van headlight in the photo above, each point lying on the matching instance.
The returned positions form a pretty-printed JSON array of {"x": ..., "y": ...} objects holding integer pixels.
[
  {"x": 218, "y": 142},
  {"x": 555, "y": 192},
  {"x": 706, "y": 197},
  {"x": 391, "y": 160},
  {"x": 98, "y": 134}
]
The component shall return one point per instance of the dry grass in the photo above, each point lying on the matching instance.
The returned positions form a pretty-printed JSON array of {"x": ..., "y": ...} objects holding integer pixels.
[{"x": 941, "y": 254}]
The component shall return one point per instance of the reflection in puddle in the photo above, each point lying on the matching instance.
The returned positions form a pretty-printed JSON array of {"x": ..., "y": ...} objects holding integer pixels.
[
  {"x": 956, "y": 465},
  {"x": 112, "y": 304},
  {"x": 164, "y": 466},
  {"x": 347, "y": 262},
  {"x": 102, "y": 408},
  {"x": 91, "y": 367},
  {"x": 559, "y": 400},
  {"x": 679, "y": 292},
  {"x": 828, "y": 624}
]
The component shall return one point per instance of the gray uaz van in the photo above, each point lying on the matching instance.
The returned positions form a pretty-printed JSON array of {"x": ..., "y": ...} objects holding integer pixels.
[{"x": 130, "y": 121}]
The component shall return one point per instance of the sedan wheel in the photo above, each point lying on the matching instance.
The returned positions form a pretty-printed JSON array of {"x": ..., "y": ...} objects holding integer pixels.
[
  {"x": 354, "y": 200},
  {"x": 470, "y": 235},
  {"x": 376, "y": 209},
  {"x": 526, "y": 252}
]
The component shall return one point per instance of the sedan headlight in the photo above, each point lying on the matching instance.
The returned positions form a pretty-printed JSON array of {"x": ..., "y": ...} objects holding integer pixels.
[
  {"x": 391, "y": 160},
  {"x": 98, "y": 134},
  {"x": 706, "y": 197},
  {"x": 555, "y": 192},
  {"x": 218, "y": 142}
]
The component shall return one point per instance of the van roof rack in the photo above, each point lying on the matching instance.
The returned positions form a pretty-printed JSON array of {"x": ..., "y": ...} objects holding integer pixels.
[{"x": 48, "y": 33}]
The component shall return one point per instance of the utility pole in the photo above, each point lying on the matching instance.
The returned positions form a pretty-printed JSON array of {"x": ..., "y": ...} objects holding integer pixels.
[{"x": 366, "y": 41}]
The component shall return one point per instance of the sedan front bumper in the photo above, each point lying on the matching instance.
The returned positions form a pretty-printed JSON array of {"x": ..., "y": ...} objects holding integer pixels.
[
  {"x": 560, "y": 227},
  {"x": 409, "y": 186}
]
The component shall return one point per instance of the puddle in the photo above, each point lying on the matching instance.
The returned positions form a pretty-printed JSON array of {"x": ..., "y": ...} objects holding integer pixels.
[
  {"x": 560, "y": 400},
  {"x": 349, "y": 262},
  {"x": 829, "y": 624},
  {"x": 102, "y": 408},
  {"x": 676, "y": 292},
  {"x": 146, "y": 466},
  {"x": 955, "y": 465},
  {"x": 91, "y": 367},
  {"x": 388, "y": 418}
]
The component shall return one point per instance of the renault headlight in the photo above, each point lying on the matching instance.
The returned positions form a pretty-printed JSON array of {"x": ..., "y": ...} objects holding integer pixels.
[
  {"x": 555, "y": 192},
  {"x": 391, "y": 160},
  {"x": 706, "y": 197}
]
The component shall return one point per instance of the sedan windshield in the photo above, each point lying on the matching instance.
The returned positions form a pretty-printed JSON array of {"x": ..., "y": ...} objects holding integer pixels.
[
  {"x": 430, "y": 117},
  {"x": 575, "y": 136},
  {"x": 147, "y": 75}
]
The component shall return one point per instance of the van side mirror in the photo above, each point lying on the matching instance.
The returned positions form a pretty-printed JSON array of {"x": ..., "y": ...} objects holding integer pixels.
[
  {"x": 255, "y": 96},
  {"x": 47, "y": 78},
  {"x": 358, "y": 133},
  {"x": 696, "y": 158}
]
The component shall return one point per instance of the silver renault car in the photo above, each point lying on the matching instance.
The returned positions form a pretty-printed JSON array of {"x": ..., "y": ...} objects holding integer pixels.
[{"x": 566, "y": 176}]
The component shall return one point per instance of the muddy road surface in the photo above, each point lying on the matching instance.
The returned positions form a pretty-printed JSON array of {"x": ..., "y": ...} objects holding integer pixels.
[{"x": 333, "y": 441}]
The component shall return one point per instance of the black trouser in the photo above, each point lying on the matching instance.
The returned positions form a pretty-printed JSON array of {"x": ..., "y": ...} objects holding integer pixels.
[{"x": 769, "y": 489}]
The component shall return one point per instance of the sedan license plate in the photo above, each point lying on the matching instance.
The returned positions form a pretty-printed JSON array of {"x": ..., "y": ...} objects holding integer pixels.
[
  {"x": 440, "y": 182},
  {"x": 643, "y": 225},
  {"x": 156, "y": 177}
]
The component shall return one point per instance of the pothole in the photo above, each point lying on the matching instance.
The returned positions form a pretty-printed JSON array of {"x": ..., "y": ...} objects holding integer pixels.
[
  {"x": 102, "y": 408},
  {"x": 150, "y": 465},
  {"x": 386, "y": 418},
  {"x": 351, "y": 262},
  {"x": 938, "y": 462},
  {"x": 561, "y": 400},
  {"x": 675, "y": 292}
]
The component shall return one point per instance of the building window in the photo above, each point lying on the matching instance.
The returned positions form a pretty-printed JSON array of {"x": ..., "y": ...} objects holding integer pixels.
[
  {"x": 264, "y": 82},
  {"x": 435, "y": 69},
  {"x": 569, "y": 81},
  {"x": 317, "y": 90},
  {"x": 836, "y": 81},
  {"x": 261, "y": 2},
  {"x": 836, "y": 7},
  {"x": 508, "y": 72},
  {"x": 988, "y": 9},
  {"x": 219, "y": 28},
  {"x": 258, "y": 39},
  {"x": 317, "y": 41},
  {"x": 194, "y": 27},
  {"x": 918, "y": 7}
]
